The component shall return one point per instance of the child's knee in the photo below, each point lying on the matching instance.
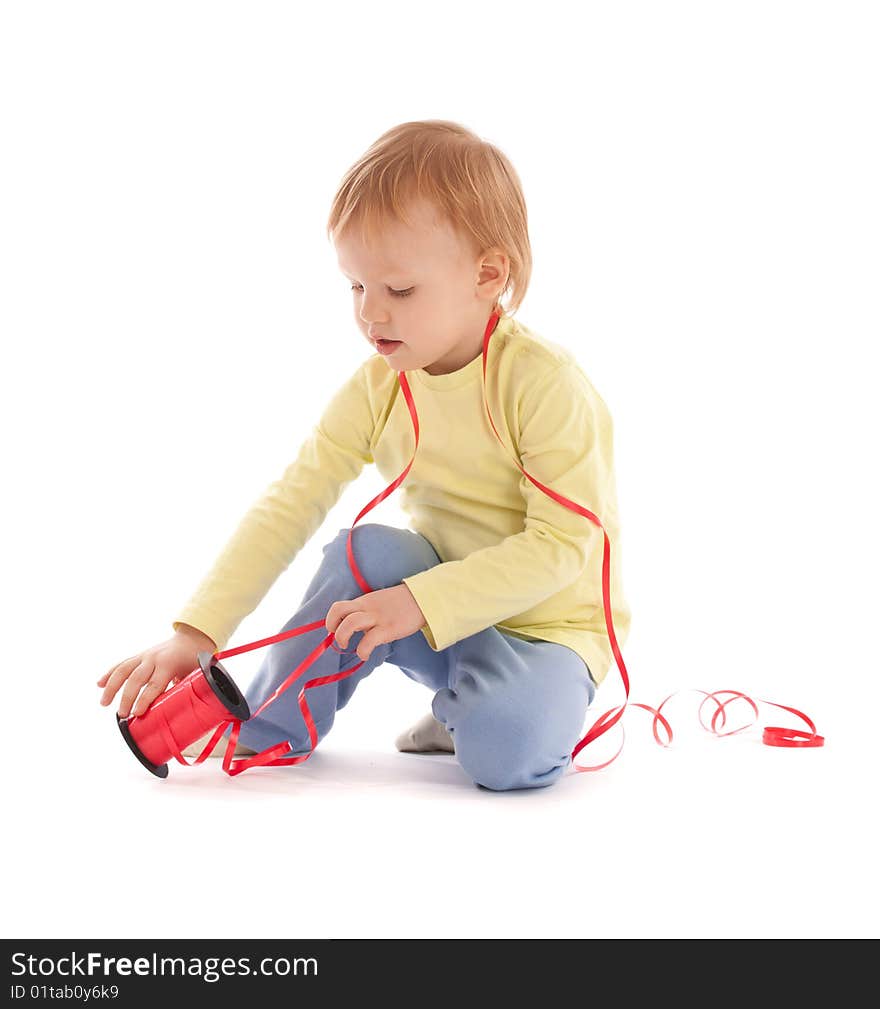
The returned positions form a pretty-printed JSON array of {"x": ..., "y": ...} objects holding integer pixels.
[
  {"x": 385, "y": 555},
  {"x": 502, "y": 750},
  {"x": 509, "y": 766}
]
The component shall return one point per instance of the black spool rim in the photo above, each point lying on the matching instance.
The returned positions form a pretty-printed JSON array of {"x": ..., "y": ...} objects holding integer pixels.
[
  {"x": 224, "y": 687},
  {"x": 160, "y": 770}
]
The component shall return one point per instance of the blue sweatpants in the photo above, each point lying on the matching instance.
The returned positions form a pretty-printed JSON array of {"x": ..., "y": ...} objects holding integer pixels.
[{"x": 515, "y": 708}]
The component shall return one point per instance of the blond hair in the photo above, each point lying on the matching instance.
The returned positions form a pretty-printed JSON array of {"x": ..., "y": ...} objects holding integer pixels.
[{"x": 467, "y": 179}]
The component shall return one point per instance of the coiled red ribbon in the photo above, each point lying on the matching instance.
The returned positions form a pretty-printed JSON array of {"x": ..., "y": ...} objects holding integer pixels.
[{"x": 191, "y": 712}]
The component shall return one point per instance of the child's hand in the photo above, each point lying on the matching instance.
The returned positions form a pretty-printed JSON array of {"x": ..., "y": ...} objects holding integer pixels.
[
  {"x": 385, "y": 615},
  {"x": 150, "y": 672}
]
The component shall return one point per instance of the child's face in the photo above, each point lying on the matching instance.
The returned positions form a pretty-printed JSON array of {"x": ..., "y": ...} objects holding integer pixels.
[{"x": 451, "y": 289}]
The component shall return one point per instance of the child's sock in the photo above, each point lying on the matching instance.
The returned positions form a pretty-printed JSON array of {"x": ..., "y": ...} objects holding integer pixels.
[
  {"x": 194, "y": 749},
  {"x": 426, "y": 736}
]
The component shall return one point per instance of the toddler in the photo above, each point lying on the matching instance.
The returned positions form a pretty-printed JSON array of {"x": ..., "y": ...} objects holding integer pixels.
[{"x": 493, "y": 598}]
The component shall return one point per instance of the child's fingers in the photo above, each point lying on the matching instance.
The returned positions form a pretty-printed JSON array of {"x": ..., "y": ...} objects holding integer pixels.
[
  {"x": 139, "y": 676},
  {"x": 339, "y": 611},
  {"x": 116, "y": 677},
  {"x": 359, "y": 621},
  {"x": 151, "y": 691},
  {"x": 103, "y": 681}
]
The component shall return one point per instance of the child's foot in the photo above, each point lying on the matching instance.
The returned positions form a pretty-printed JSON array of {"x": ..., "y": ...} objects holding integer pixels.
[
  {"x": 195, "y": 749},
  {"x": 426, "y": 736}
]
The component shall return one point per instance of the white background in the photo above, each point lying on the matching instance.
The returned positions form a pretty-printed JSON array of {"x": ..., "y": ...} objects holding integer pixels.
[{"x": 703, "y": 205}]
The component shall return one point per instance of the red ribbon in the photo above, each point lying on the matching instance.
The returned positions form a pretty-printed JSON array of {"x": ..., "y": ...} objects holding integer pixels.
[{"x": 275, "y": 755}]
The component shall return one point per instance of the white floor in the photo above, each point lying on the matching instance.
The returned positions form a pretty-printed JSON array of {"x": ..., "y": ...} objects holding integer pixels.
[{"x": 711, "y": 838}]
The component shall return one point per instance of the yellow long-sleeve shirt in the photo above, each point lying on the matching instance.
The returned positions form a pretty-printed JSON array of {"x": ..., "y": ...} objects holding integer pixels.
[{"x": 512, "y": 557}]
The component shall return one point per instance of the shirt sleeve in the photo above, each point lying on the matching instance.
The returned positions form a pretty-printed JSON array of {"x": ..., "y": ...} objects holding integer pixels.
[
  {"x": 564, "y": 441},
  {"x": 287, "y": 514}
]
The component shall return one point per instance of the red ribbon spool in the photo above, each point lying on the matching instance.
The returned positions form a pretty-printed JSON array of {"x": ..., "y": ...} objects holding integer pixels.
[{"x": 200, "y": 702}]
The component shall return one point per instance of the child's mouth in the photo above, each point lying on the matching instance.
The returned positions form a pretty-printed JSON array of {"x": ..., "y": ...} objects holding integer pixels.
[{"x": 387, "y": 346}]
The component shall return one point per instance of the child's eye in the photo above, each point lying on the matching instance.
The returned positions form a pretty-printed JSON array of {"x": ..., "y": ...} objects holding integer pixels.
[{"x": 397, "y": 294}]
